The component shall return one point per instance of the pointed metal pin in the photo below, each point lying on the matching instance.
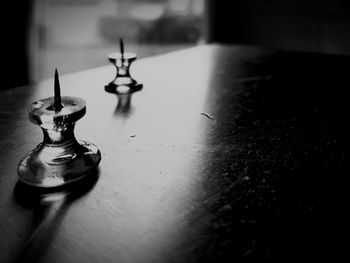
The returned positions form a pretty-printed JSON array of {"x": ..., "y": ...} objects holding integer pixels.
[
  {"x": 121, "y": 45},
  {"x": 57, "y": 99}
]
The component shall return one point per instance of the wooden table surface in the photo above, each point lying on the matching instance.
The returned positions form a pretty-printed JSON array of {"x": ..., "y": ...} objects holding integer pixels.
[{"x": 228, "y": 152}]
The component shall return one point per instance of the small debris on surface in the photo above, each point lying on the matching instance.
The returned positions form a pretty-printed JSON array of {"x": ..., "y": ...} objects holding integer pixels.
[
  {"x": 132, "y": 136},
  {"x": 207, "y": 115}
]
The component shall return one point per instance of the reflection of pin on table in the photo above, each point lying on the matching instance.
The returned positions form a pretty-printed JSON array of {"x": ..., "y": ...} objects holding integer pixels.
[
  {"x": 60, "y": 158},
  {"x": 124, "y": 103},
  {"x": 123, "y": 83}
]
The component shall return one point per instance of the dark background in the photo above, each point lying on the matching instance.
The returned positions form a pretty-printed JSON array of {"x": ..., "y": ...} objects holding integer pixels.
[
  {"x": 15, "y": 24},
  {"x": 308, "y": 25}
]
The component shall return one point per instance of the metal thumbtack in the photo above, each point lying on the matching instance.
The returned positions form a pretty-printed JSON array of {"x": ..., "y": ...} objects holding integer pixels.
[
  {"x": 123, "y": 83},
  {"x": 60, "y": 159}
]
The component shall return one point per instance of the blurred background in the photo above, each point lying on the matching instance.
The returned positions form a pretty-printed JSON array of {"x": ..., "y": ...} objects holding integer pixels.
[{"x": 74, "y": 35}]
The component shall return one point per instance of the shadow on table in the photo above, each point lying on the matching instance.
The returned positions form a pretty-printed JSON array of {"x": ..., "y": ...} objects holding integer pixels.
[{"x": 50, "y": 208}]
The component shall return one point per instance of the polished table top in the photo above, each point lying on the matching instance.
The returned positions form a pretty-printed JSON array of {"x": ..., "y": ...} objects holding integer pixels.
[{"x": 228, "y": 152}]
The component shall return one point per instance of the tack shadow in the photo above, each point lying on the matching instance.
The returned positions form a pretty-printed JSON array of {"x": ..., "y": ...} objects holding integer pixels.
[{"x": 50, "y": 207}]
